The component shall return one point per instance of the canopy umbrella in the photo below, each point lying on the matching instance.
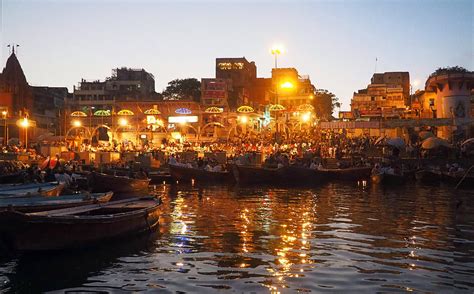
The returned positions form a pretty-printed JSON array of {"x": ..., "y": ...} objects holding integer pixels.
[
  {"x": 213, "y": 110},
  {"x": 396, "y": 142},
  {"x": 183, "y": 111},
  {"x": 305, "y": 107},
  {"x": 435, "y": 142},
  {"x": 425, "y": 135},
  {"x": 276, "y": 107},
  {"x": 125, "y": 112},
  {"x": 102, "y": 112},
  {"x": 152, "y": 111},
  {"x": 468, "y": 142},
  {"x": 245, "y": 109},
  {"x": 78, "y": 114}
]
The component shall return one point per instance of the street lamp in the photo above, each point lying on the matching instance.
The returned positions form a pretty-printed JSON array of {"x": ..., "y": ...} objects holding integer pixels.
[
  {"x": 76, "y": 123},
  {"x": 277, "y": 50},
  {"x": 5, "y": 131},
  {"x": 25, "y": 124},
  {"x": 123, "y": 122}
]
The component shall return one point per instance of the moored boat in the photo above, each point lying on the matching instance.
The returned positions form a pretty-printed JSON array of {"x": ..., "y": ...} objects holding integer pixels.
[
  {"x": 388, "y": 178},
  {"x": 29, "y": 190},
  {"x": 40, "y": 203},
  {"x": 294, "y": 174},
  {"x": 347, "y": 174},
  {"x": 79, "y": 226},
  {"x": 245, "y": 174},
  {"x": 118, "y": 184},
  {"x": 459, "y": 179},
  {"x": 188, "y": 173},
  {"x": 429, "y": 176},
  {"x": 159, "y": 177}
]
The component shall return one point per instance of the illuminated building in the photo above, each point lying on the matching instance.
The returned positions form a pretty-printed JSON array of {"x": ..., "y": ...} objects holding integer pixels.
[
  {"x": 290, "y": 89},
  {"x": 453, "y": 99},
  {"x": 386, "y": 96},
  {"x": 215, "y": 92},
  {"x": 242, "y": 75}
]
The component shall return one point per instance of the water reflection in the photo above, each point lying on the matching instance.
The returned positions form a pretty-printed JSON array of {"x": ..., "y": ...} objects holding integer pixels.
[{"x": 338, "y": 237}]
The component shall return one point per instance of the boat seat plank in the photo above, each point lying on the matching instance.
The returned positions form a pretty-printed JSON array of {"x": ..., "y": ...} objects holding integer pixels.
[{"x": 82, "y": 209}]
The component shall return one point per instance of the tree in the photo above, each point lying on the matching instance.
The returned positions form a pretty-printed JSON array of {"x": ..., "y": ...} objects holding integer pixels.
[
  {"x": 324, "y": 103},
  {"x": 183, "y": 89},
  {"x": 449, "y": 69}
]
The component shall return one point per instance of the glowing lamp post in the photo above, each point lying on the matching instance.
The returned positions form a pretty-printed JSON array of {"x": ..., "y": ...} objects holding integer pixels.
[
  {"x": 277, "y": 50},
  {"x": 24, "y": 123},
  {"x": 5, "y": 132}
]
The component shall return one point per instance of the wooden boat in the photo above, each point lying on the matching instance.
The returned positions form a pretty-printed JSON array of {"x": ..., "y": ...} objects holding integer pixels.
[
  {"x": 16, "y": 177},
  {"x": 455, "y": 179},
  {"x": 388, "y": 179},
  {"x": 79, "y": 226},
  {"x": 429, "y": 176},
  {"x": 29, "y": 190},
  {"x": 118, "y": 184},
  {"x": 187, "y": 174},
  {"x": 301, "y": 175},
  {"x": 40, "y": 203},
  {"x": 347, "y": 174},
  {"x": 245, "y": 174},
  {"x": 159, "y": 177}
]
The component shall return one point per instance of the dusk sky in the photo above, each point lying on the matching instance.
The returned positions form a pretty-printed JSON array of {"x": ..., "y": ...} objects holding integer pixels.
[{"x": 334, "y": 42}]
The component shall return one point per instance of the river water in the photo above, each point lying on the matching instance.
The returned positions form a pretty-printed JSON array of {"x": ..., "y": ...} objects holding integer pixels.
[{"x": 334, "y": 238}]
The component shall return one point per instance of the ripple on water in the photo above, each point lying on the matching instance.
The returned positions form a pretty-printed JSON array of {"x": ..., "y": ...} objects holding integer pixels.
[{"x": 336, "y": 238}]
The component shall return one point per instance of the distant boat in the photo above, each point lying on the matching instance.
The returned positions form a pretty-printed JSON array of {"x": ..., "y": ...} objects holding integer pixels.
[
  {"x": 41, "y": 203},
  {"x": 29, "y": 190},
  {"x": 79, "y": 226},
  {"x": 245, "y": 174},
  {"x": 429, "y": 176},
  {"x": 388, "y": 179},
  {"x": 188, "y": 173},
  {"x": 118, "y": 184},
  {"x": 347, "y": 174},
  {"x": 294, "y": 174}
]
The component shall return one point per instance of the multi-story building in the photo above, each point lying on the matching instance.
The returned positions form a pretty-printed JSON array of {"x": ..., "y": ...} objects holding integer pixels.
[
  {"x": 387, "y": 95},
  {"x": 48, "y": 102},
  {"x": 290, "y": 89},
  {"x": 242, "y": 73},
  {"x": 215, "y": 92},
  {"x": 126, "y": 84}
]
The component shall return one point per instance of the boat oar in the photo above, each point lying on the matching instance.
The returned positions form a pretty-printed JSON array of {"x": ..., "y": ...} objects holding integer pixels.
[{"x": 462, "y": 179}]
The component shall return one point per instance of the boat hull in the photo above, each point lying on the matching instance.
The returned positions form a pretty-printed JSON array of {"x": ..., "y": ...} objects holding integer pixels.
[
  {"x": 188, "y": 174},
  {"x": 30, "y": 232},
  {"x": 118, "y": 184},
  {"x": 301, "y": 175},
  {"x": 347, "y": 174},
  {"x": 257, "y": 175},
  {"x": 40, "y": 203}
]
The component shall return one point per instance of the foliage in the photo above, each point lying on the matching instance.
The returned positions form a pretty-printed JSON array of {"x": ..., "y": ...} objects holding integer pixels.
[
  {"x": 324, "y": 103},
  {"x": 183, "y": 89},
  {"x": 449, "y": 69}
]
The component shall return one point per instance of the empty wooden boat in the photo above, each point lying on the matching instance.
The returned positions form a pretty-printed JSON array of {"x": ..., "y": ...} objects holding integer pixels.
[
  {"x": 79, "y": 226},
  {"x": 41, "y": 203},
  {"x": 118, "y": 184},
  {"x": 29, "y": 190}
]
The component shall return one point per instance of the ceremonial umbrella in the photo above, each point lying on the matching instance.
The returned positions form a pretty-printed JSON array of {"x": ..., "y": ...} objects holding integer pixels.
[
  {"x": 245, "y": 109},
  {"x": 435, "y": 142},
  {"x": 276, "y": 107},
  {"x": 396, "y": 142},
  {"x": 425, "y": 135},
  {"x": 213, "y": 110}
]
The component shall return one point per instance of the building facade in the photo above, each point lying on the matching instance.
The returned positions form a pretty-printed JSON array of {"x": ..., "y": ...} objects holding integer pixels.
[{"x": 386, "y": 96}]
